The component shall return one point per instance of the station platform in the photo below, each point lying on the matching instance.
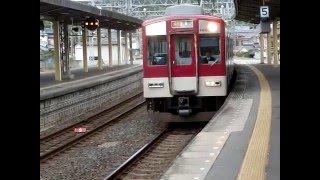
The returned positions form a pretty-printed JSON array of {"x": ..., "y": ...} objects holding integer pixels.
[
  {"x": 66, "y": 102},
  {"x": 241, "y": 141},
  {"x": 47, "y": 79}
]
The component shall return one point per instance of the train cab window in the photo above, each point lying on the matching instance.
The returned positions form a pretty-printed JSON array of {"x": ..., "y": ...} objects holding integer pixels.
[
  {"x": 157, "y": 50},
  {"x": 210, "y": 50},
  {"x": 183, "y": 51}
]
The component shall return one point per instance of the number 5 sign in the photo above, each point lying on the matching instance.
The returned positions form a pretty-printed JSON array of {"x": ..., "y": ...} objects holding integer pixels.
[{"x": 264, "y": 11}]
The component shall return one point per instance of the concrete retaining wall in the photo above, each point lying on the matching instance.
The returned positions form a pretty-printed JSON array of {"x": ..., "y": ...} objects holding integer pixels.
[{"x": 64, "y": 104}]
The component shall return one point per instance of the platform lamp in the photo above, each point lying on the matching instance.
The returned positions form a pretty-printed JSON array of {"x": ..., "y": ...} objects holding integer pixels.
[{"x": 145, "y": 13}]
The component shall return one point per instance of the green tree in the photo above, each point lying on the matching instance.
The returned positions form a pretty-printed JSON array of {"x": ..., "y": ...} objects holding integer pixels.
[{"x": 47, "y": 24}]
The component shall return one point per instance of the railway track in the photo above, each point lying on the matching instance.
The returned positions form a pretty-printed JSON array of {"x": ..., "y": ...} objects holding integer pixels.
[
  {"x": 155, "y": 157},
  {"x": 55, "y": 143}
]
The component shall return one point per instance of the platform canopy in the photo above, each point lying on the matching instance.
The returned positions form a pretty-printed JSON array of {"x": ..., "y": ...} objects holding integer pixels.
[
  {"x": 74, "y": 12},
  {"x": 249, "y": 10}
]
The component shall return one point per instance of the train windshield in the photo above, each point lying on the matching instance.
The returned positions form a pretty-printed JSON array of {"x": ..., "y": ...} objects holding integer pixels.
[
  {"x": 183, "y": 51},
  {"x": 209, "y": 49},
  {"x": 157, "y": 50}
]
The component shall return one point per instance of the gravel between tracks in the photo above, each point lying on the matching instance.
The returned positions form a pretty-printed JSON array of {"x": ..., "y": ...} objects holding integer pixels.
[{"x": 105, "y": 151}]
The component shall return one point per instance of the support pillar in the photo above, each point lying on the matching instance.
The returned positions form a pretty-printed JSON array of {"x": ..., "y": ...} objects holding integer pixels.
[
  {"x": 269, "y": 48},
  {"x": 99, "y": 49},
  {"x": 261, "y": 49},
  {"x": 84, "y": 50},
  {"x": 110, "y": 48},
  {"x": 66, "y": 74},
  {"x": 275, "y": 42},
  {"x": 57, "y": 59},
  {"x": 130, "y": 44},
  {"x": 126, "y": 47},
  {"x": 119, "y": 47}
]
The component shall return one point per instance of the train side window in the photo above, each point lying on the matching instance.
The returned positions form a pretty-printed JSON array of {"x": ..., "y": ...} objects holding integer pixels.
[
  {"x": 183, "y": 51},
  {"x": 157, "y": 50},
  {"x": 210, "y": 50}
]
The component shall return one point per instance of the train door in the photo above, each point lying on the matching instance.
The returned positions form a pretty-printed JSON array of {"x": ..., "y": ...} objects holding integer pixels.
[{"x": 183, "y": 69}]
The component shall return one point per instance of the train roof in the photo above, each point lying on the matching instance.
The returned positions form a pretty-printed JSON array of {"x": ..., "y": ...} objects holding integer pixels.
[
  {"x": 168, "y": 18},
  {"x": 182, "y": 11}
]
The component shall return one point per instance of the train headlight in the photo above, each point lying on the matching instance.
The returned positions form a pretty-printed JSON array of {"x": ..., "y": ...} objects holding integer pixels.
[
  {"x": 158, "y": 28},
  {"x": 155, "y": 85},
  {"x": 212, "y": 27},
  {"x": 209, "y": 27},
  {"x": 212, "y": 83}
]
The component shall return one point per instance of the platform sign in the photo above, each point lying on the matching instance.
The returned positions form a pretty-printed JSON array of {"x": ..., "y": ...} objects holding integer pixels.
[
  {"x": 264, "y": 11},
  {"x": 80, "y": 130}
]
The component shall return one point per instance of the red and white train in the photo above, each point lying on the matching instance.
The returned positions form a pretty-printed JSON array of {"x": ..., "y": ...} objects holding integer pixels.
[{"x": 187, "y": 64}]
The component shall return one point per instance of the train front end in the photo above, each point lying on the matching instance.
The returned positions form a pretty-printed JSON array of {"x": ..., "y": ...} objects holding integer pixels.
[{"x": 184, "y": 65}]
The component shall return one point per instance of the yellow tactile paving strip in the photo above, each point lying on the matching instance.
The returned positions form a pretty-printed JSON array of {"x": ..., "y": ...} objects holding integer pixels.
[{"x": 256, "y": 158}]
